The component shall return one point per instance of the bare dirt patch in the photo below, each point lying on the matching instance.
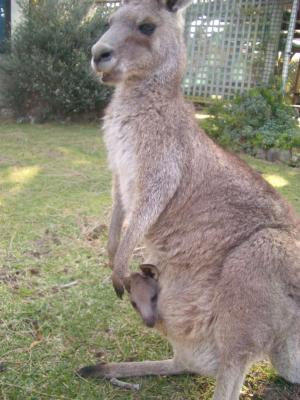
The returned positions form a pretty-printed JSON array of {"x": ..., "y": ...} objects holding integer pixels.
[
  {"x": 43, "y": 246},
  {"x": 11, "y": 278},
  {"x": 54, "y": 154},
  {"x": 91, "y": 227},
  {"x": 8, "y": 161}
]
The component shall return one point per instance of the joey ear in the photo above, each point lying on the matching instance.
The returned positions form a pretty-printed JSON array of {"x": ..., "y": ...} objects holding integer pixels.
[
  {"x": 149, "y": 270},
  {"x": 175, "y": 5}
]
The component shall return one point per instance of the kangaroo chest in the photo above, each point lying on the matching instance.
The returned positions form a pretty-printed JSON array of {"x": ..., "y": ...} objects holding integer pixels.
[{"x": 120, "y": 143}]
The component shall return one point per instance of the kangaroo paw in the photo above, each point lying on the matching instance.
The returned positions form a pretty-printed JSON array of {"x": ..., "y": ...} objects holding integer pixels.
[{"x": 93, "y": 371}]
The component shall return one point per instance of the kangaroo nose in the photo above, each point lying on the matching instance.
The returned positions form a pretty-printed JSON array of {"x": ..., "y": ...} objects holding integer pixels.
[
  {"x": 101, "y": 54},
  {"x": 106, "y": 55}
]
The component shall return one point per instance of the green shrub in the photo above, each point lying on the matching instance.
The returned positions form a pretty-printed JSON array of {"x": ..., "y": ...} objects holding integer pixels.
[
  {"x": 48, "y": 69},
  {"x": 257, "y": 119}
]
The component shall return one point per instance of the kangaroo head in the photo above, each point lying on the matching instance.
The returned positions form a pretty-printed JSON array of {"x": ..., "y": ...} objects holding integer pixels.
[
  {"x": 143, "y": 292},
  {"x": 144, "y": 40}
]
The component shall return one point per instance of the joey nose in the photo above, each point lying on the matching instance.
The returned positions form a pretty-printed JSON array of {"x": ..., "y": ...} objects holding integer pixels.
[{"x": 150, "y": 321}]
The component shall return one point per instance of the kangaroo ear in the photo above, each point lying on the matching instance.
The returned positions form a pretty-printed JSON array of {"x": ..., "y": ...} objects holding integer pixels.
[
  {"x": 175, "y": 5},
  {"x": 149, "y": 270}
]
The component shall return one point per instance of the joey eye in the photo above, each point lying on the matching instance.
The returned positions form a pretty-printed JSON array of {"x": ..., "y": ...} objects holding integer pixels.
[
  {"x": 154, "y": 298},
  {"x": 147, "y": 28},
  {"x": 133, "y": 303}
]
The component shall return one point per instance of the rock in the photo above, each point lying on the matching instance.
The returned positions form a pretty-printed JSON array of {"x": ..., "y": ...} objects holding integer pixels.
[
  {"x": 260, "y": 154},
  {"x": 284, "y": 156},
  {"x": 295, "y": 160},
  {"x": 275, "y": 154}
]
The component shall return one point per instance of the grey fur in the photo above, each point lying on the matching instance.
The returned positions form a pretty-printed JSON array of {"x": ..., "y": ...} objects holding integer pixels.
[{"x": 226, "y": 244}]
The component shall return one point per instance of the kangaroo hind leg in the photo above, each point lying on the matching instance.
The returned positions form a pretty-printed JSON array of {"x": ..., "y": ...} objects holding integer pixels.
[
  {"x": 230, "y": 379},
  {"x": 285, "y": 357}
]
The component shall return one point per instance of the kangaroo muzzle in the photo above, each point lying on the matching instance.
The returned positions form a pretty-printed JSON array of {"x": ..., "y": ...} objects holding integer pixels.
[{"x": 102, "y": 57}]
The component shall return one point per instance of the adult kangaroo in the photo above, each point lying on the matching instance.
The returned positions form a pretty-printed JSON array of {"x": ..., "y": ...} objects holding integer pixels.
[{"x": 226, "y": 245}]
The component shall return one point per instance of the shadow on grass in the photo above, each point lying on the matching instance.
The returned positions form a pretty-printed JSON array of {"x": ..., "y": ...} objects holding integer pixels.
[{"x": 279, "y": 389}]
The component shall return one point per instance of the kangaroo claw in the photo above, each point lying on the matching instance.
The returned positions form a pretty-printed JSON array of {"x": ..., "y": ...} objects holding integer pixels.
[{"x": 118, "y": 286}]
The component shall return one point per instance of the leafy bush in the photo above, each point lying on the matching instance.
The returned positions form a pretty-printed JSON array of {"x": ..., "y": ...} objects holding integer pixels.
[
  {"x": 48, "y": 69},
  {"x": 257, "y": 119}
]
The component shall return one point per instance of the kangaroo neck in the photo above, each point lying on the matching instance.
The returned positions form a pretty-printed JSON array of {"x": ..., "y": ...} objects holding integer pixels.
[{"x": 137, "y": 95}]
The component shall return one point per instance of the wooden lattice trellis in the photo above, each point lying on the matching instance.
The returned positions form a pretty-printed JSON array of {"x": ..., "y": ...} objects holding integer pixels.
[
  {"x": 232, "y": 44},
  {"x": 108, "y": 6}
]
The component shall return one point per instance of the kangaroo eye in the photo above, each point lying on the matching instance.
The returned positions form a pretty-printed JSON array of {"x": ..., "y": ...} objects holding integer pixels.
[
  {"x": 147, "y": 29},
  {"x": 154, "y": 298}
]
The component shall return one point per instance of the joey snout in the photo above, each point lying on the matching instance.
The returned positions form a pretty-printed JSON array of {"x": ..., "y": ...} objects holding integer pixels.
[
  {"x": 149, "y": 320},
  {"x": 147, "y": 311}
]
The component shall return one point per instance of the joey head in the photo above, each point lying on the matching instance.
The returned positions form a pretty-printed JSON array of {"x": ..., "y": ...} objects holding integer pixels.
[{"x": 143, "y": 292}]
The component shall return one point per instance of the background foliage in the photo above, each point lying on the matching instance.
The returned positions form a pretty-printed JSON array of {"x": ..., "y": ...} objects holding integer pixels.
[
  {"x": 259, "y": 118},
  {"x": 48, "y": 69}
]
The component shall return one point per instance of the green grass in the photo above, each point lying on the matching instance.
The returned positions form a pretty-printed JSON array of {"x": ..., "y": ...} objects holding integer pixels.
[{"x": 54, "y": 192}]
